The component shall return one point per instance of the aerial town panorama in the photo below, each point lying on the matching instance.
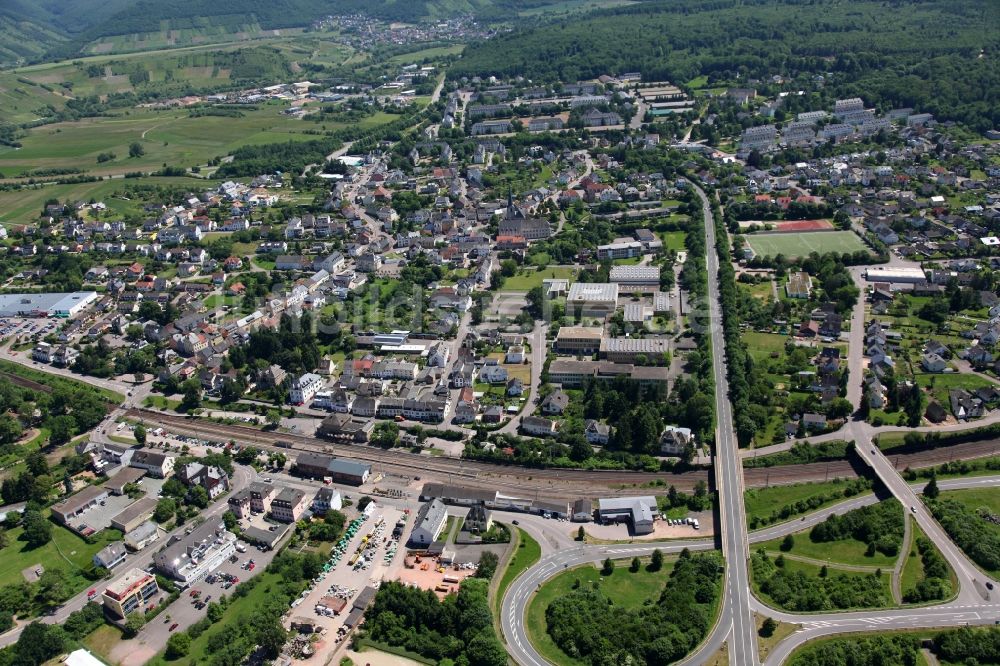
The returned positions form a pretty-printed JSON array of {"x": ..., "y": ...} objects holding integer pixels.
[{"x": 500, "y": 332}]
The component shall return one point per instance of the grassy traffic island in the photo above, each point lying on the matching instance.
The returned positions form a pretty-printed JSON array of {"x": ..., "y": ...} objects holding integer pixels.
[
  {"x": 967, "y": 645},
  {"x": 971, "y": 517},
  {"x": 849, "y": 561},
  {"x": 662, "y": 609}
]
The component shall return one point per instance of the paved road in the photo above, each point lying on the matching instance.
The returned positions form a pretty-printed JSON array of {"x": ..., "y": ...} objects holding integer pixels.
[
  {"x": 242, "y": 477},
  {"x": 561, "y": 555},
  {"x": 971, "y": 581},
  {"x": 736, "y": 618},
  {"x": 537, "y": 341}
]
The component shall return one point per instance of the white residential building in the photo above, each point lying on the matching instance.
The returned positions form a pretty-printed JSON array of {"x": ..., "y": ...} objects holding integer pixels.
[{"x": 304, "y": 388}]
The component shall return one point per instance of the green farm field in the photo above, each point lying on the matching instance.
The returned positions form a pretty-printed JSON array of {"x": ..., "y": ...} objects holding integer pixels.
[
  {"x": 21, "y": 206},
  {"x": 173, "y": 137},
  {"x": 801, "y": 244}
]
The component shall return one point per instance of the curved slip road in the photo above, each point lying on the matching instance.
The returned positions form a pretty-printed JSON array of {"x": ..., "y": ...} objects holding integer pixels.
[{"x": 515, "y": 603}]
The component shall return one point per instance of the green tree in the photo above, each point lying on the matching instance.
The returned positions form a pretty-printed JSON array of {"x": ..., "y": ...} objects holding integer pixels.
[
  {"x": 199, "y": 497},
  {"x": 191, "y": 389},
  {"x": 488, "y": 562},
  {"x": 37, "y": 464},
  {"x": 385, "y": 434},
  {"x": 61, "y": 429},
  {"x": 485, "y": 650},
  {"x": 787, "y": 543},
  {"x": 37, "y": 529},
  {"x": 178, "y": 645},
  {"x": 140, "y": 433},
  {"x": 768, "y": 627},
  {"x": 165, "y": 510},
  {"x": 230, "y": 521},
  {"x": 134, "y": 624},
  {"x": 215, "y": 612},
  {"x": 38, "y": 643},
  {"x": 271, "y": 637},
  {"x": 10, "y": 429},
  {"x": 635, "y": 565},
  {"x": 656, "y": 561},
  {"x": 931, "y": 490},
  {"x": 581, "y": 534},
  {"x": 135, "y": 149},
  {"x": 608, "y": 567},
  {"x": 53, "y": 587}
]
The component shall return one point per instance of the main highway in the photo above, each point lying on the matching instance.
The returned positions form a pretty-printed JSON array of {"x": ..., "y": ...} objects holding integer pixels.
[
  {"x": 736, "y": 617},
  {"x": 735, "y": 626},
  {"x": 519, "y": 594}
]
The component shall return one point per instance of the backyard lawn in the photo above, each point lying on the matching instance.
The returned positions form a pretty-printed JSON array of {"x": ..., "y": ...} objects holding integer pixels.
[
  {"x": 940, "y": 384},
  {"x": 65, "y": 551},
  {"x": 764, "y": 344},
  {"x": 673, "y": 240}
]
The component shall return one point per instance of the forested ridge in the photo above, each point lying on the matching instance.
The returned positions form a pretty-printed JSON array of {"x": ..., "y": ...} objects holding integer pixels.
[
  {"x": 72, "y": 24},
  {"x": 935, "y": 55}
]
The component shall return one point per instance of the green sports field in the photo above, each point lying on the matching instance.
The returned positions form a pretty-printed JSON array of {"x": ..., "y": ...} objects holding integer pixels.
[{"x": 802, "y": 243}]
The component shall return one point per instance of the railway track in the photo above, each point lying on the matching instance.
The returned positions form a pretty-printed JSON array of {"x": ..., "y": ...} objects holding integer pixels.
[
  {"x": 24, "y": 382},
  {"x": 544, "y": 482}
]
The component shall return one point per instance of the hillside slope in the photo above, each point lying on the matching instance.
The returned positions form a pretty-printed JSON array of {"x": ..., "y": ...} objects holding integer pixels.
[
  {"x": 63, "y": 28},
  {"x": 937, "y": 55}
]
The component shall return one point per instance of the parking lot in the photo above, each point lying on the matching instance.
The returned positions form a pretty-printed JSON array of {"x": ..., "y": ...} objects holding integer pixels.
[
  {"x": 40, "y": 326},
  {"x": 381, "y": 560},
  {"x": 187, "y": 610},
  {"x": 99, "y": 517}
]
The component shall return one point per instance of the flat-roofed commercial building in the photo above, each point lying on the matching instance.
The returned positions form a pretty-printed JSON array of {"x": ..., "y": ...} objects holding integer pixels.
[
  {"x": 65, "y": 511},
  {"x": 622, "y": 250},
  {"x": 127, "y": 594},
  {"x": 592, "y": 299},
  {"x": 627, "y": 350},
  {"x": 895, "y": 275},
  {"x": 135, "y": 514},
  {"x": 318, "y": 466},
  {"x": 65, "y": 305},
  {"x": 636, "y": 278},
  {"x": 579, "y": 339},
  {"x": 638, "y": 512},
  {"x": 187, "y": 558},
  {"x": 571, "y": 373}
]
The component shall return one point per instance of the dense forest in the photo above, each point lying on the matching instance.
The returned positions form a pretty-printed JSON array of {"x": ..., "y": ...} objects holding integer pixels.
[
  {"x": 934, "y": 55},
  {"x": 458, "y": 630},
  {"x": 656, "y": 633}
]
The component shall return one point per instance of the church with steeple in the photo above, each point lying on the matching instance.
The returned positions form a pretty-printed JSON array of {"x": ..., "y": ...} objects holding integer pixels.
[{"x": 517, "y": 223}]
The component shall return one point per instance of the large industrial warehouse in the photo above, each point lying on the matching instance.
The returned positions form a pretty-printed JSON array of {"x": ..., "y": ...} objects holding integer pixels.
[{"x": 65, "y": 305}]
